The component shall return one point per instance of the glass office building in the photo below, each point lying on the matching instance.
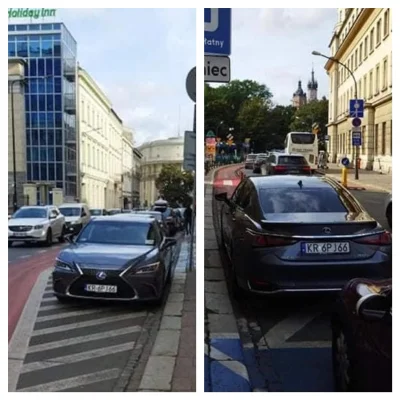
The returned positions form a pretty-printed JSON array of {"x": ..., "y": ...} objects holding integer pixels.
[{"x": 50, "y": 104}]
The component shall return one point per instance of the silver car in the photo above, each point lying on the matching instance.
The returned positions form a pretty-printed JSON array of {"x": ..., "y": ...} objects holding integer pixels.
[
  {"x": 36, "y": 224},
  {"x": 388, "y": 209}
]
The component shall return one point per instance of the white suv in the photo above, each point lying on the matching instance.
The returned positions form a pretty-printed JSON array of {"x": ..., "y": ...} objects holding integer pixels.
[{"x": 36, "y": 224}]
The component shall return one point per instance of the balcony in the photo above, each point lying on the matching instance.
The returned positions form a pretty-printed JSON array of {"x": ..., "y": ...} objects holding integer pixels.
[
  {"x": 69, "y": 68},
  {"x": 70, "y": 104}
]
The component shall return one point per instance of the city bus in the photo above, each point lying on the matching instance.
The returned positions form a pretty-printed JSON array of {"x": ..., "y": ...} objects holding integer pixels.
[{"x": 305, "y": 143}]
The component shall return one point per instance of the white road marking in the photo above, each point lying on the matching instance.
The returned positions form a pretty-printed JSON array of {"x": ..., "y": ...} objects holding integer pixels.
[
  {"x": 277, "y": 336},
  {"x": 62, "y": 314},
  {"x": 42, "y": 251},
  {"x": 85, "y": 324},
  {"x": 64, "y": 384},
  {"x": 83, "y": 339},
  {"x": 77, "y": 357}
]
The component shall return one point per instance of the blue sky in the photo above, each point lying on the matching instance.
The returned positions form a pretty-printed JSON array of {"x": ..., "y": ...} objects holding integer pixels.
[
  {"x": 140, "y": 58},
  {"x": 273, "y": 46}
]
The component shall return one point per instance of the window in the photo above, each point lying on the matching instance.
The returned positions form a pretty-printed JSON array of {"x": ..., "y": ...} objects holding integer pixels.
[
  {"x": 361, "y": 53},
  {"x": 301, "y": 200},
  {"x": 384, "y": 139},
  {"x": 391, "y": 138},
  {"x": 352, "y": 62},
  {"x": 378, "y": 32},
  {"x": 376, "y": 136},
  {"x": 365, "y": 47},
  {"x": 385, "y": 74},
  {"x": 360, "y": 89},
  {"x": 371, "y": 84},
  {"x": 371, "y": 41},
  {"x": 377, "y": 80},
  {"x": 386, "y": 23},
  {"x": 356, "y": 63}
]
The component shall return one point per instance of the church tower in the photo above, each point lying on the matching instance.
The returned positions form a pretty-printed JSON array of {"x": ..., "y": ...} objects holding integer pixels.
[
  {"x": 312, "y": 87},
  {"x": 299, "y": 97}
]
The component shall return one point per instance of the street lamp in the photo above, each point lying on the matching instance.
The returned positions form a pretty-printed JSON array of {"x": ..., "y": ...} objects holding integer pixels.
[{"x": 317, "y": 53}]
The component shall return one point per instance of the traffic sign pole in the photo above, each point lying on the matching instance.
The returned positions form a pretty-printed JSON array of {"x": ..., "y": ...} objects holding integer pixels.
[{"x": 356, "y": 112}]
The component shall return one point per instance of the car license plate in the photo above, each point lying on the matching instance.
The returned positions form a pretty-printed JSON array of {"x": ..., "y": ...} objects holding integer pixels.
[
  {"x": 326, "y": 248},
  {"x": 101, "y": 288},
  {"x": 294, "y": 171},
  {"x": 20, "y": 234}
]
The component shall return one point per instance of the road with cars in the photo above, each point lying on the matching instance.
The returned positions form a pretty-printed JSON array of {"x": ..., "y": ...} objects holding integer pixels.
[
  {"x": 78, "y": 346},
  {"x": 287, "y": 341}
]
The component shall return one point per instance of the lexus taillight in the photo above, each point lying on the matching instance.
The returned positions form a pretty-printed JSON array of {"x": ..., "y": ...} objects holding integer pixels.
[
  {"x": 307, "y": 168},
  {"x": 271, "y": 241},
  {"x": 280, "y": 168},
  {"x": 381, "y": 239}
]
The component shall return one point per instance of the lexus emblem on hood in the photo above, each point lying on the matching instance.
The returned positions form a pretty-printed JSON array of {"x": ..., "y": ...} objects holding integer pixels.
[
  {"x": 326, "y": 230},
  {"x": 101, "y": 275}
]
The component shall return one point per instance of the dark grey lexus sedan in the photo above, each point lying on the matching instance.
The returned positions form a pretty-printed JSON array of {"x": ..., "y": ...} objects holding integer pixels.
[
  {"x": 300, "y": 234},
  {"x": 115, "y": 258}
]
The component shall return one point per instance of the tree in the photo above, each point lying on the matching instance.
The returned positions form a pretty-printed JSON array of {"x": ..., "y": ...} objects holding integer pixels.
[{"x": 175, "y": 185}]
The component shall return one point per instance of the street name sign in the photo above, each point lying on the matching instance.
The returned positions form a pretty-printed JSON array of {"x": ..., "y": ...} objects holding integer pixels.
[
  {"x": 356, "y": 108},
  {"x": 356, "y": 136},
  {"x": 189, "y": 151},
  {"x": 217, "y": 69},
  {"x": 217, "y": 31}
]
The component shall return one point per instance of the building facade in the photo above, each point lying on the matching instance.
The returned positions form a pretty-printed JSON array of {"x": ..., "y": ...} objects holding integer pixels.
[
  {"x": 127, "y": 167},
  {"x": 101, "y": 142},
  {"x": 312, "y": 87},
  {"x": 136, "y": 177},
  {"x": 156, "y": 154},
  {"x": 363, "y": 42},
  {"x": 299, "y": 97},
  {"x": 16, "y": 131},
  {"x": 50, "y": 105}
]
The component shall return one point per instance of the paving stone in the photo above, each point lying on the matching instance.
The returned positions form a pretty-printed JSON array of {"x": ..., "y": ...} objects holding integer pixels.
[
  {"x": 158, "y": 373},
  {"x": 173, "y": 309},
  {"x": 218, "y": 303},
  {"x": 169, "y": 322},
  {"x": 223, "y": 323},
  {"x": 167, "y": 343},
  {"x": 216, "y": 287},
  {"x": 214, "y": 274}
]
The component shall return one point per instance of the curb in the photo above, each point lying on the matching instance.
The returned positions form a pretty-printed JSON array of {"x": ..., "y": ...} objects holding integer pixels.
[
  {"x": 347, "y": 187},
  {"x": 160, "y": 366}
]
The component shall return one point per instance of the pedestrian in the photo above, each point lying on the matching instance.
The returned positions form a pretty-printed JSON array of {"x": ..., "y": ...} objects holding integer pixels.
[{"x": 188, "y": 215}]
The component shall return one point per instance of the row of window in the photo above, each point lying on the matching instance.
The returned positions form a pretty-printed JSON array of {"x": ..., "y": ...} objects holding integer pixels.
[
  {"x": 45, "y": 172},
  {"x": 44, "y": 85},
  {"x": 35, "y": 49},
  {"x": 372, "y": 84},
  {"x": 44, "y": 154},
  {"x": 46, "y": 119},
  {"x": 367, "y": 46},
  {"x": 33, "y": 38},
  {"x": 100, "y": 159},
  {"x": 43, "y": 102},
  {"x": 46, "y": 67},
  {"x": 33, "y": 27},
  {"x": 44, "y": 137}
]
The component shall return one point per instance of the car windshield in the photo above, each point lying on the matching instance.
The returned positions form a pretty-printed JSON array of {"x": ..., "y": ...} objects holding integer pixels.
[
  {"x": 290, "y": 160},
  {"x": 296, "y": 200},
  {"x": 303, "y": 138},
  {"x": 95, "y": 211},
  {"x": 118, "y": 232},
  {"x": 70, "y": 211},
  {"x": 30, "y": 213}
]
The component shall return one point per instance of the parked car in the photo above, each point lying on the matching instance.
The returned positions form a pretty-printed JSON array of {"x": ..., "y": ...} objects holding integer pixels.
[
  {"x": 362, "y": 337},
  {"x": 169, "y": 216},
  {"x": 283, "y": 164},
  {"x": 388, "y": 209},
  {"x": 114, "y": 211},
  {"x": 115, "y": 258},
  {"x": 98, "y": 212},
  {"x": 259, "y": 160},
  {"x": 157, "y": 215},
  {"x": 77, "y": 215},
  {"x": 302, "y": 234},
  {"x": 248, "y": 164},
  {"x": 36, "y": 224}
]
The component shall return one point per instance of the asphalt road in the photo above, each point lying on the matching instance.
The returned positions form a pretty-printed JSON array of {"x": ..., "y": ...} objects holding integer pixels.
[
  {"x": 83, "y": 346},
  {"x": 286, "y": 341},
  {"x": 22, "y": 251}
]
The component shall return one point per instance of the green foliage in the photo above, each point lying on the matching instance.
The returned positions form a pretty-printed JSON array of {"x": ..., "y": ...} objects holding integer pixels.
[{"x": 175, "y": 185}]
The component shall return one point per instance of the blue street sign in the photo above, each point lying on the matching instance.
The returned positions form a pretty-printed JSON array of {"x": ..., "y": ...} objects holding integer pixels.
[
  {"x": 356, "y": 122},
  {"x": 356, "y": 138},
  {"x": 345, "y": 161},
  {"x": 356, "y": 108},
  {"x": 217, "y": 31}
]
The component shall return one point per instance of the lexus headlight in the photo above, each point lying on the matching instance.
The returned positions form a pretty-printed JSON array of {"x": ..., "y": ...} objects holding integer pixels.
[
  {"x": 37, "y": 227},
  {"x": 63, "y": 266},
  {"x": 147, "y": 269}
]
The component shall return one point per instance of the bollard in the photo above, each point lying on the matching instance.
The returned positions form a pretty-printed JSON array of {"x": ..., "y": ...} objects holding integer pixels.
[{"x": 344, "y": 177}]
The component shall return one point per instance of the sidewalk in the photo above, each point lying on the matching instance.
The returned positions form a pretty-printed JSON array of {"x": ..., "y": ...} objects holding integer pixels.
[
  {"x": 224, "y": 369},
  {"x": 171, "y": 365},
  {"x": 371, "y": 180}
]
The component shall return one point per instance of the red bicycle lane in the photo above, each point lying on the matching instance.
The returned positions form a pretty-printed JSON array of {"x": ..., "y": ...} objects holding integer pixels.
[
  {"x": 226, "y": 179},
  {"x": 22, "y": 277}
]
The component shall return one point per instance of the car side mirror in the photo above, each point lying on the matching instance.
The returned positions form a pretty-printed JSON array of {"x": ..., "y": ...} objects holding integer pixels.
[
  {"x": 222, "y": 197},
  {"x": 373, "y": 307},
  {"x": 83, "y": 214}
]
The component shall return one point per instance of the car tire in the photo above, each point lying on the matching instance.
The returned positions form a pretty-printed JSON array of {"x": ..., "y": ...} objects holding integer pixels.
[
  {"x": 61, "y": 238},
  {"x": 389, "y": 215},
  {"x": 49, "y": 238},
  {"x": 343, "y": 358},
  {"x": 10, "y": 243}
]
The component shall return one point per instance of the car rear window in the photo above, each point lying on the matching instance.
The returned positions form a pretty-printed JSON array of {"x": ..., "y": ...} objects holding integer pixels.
[
  {"x": 292, "y": 160},
  {"x": 305, "y": 200},
  {"x": 303, "y": 138},
  {"x": 251, "y": 157}
]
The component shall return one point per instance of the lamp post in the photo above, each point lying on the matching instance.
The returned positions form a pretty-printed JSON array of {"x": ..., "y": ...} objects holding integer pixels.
[{"x": 317, "y": 53}]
